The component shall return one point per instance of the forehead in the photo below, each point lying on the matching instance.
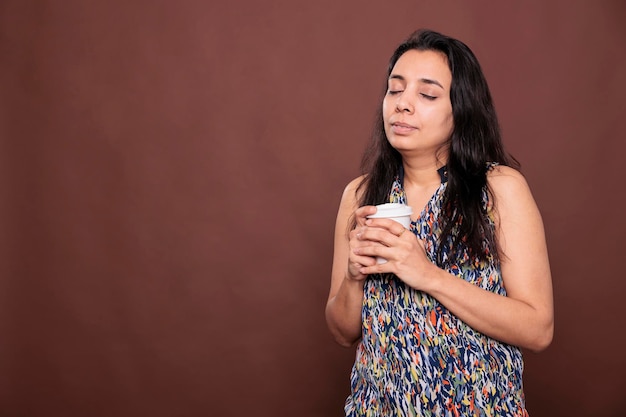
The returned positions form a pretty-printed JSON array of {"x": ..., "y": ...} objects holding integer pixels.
[{"x": 416, "y": 65}]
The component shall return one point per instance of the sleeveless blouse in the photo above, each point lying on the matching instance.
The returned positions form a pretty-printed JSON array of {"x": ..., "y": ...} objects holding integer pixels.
[{"x": 415, "y": 358}]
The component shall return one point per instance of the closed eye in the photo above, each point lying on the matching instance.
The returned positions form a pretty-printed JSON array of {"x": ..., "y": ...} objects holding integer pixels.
[
  {"x": 427, "y": 97},
  {"x": 393, "y": 92}
]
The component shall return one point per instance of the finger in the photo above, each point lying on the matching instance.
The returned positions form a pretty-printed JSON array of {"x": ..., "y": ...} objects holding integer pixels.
[
  {"x": 356, "y": 257},
  {"x": 383, "y": 236},
  {"x": 363, "y": 236},
  {"x": 391, "y": 225},
  {"x": 356, "y": 263},
  {"x": 372, "y": 252},
  {"x": 376, "y": 268},
  {"x": 362, "y": 212}
]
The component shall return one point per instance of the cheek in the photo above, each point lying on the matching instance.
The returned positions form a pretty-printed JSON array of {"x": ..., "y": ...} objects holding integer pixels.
[
  {"x": 446, "y": 120},
  {"x": 449, "y": 123},
  {"x": 386, "y": 107}
]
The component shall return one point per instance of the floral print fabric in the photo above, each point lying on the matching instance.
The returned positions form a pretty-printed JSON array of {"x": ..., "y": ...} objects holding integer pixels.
[{"x": 415, "y": 358}]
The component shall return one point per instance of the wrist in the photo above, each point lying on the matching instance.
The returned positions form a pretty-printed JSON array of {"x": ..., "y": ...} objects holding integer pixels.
[{"x": 436, "y": 278}]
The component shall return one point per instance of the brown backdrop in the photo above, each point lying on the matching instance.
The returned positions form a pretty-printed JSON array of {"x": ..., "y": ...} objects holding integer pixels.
[{"x": 170, "y": 173}]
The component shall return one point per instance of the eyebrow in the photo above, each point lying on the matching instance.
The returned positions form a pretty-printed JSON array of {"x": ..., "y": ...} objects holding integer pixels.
[{"x": 423, "y": 80}]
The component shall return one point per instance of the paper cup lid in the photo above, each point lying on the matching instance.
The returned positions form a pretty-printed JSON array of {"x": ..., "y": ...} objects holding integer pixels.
[{"x": 391, "y": 210}]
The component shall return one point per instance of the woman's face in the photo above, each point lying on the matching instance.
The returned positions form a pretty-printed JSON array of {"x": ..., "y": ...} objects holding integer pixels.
[{"x": 417, "y": 111}]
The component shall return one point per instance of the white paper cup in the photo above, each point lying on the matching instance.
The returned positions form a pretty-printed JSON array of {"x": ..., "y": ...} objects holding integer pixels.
[{"x": 394, "y": 211}]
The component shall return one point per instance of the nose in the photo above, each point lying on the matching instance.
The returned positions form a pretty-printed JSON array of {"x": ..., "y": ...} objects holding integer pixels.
[{"x": 403, "y": 104}]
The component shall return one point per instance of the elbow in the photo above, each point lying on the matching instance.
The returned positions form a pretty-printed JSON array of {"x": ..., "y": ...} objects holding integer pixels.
[
  {"x": 344, "y": 339},
  {"x": 344, "y": 342},
  {"x": 543, "y": 338},
  {"x": 345, "y": 333}
]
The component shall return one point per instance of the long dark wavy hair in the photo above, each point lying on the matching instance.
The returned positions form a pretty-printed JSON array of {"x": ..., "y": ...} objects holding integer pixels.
[{"x": 475, "y": 142}]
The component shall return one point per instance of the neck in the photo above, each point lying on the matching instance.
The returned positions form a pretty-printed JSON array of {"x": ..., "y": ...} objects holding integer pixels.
[{"x": 422, "y": 172}]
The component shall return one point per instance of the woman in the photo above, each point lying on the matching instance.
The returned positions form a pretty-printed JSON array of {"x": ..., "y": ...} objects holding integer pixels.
[{"x": 441, "y": 324}]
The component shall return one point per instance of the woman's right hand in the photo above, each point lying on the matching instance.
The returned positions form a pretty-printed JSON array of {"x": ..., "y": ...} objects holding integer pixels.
[{"x": 356, "y": 262}]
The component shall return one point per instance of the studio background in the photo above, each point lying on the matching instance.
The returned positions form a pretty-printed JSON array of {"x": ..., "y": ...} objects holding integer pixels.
[{"x": 170, "y": 173}]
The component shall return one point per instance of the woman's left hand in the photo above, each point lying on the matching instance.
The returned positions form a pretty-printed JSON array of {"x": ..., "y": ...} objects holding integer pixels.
[{"x": 404, "y": 252}]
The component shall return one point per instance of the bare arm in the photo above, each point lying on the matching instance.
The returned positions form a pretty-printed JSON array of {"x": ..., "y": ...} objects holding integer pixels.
[
  {"x": 345, "y": 300},
  {"x": 525, "y": 316}
]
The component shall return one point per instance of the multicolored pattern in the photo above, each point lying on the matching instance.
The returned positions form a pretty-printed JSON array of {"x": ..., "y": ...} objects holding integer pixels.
[{"x": 418, "y": 359}]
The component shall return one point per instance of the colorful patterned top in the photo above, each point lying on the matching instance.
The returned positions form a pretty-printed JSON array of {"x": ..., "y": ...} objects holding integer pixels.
[{"x": 416, "y": 358}]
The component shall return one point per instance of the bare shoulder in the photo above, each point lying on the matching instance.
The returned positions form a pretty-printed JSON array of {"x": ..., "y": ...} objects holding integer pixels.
[
  {"x": 351, "y": 192},
  {"x": 354, "y": 184},
  {"x": 349, "y": 203},
  {"x": 506, "y": 181},
  {"x": 513, "y": 197}
]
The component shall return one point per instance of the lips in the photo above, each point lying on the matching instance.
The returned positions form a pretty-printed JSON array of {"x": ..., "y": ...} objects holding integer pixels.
[
  {"x": 405, "y": 125},
  {"x": 401, "y": 128}
]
